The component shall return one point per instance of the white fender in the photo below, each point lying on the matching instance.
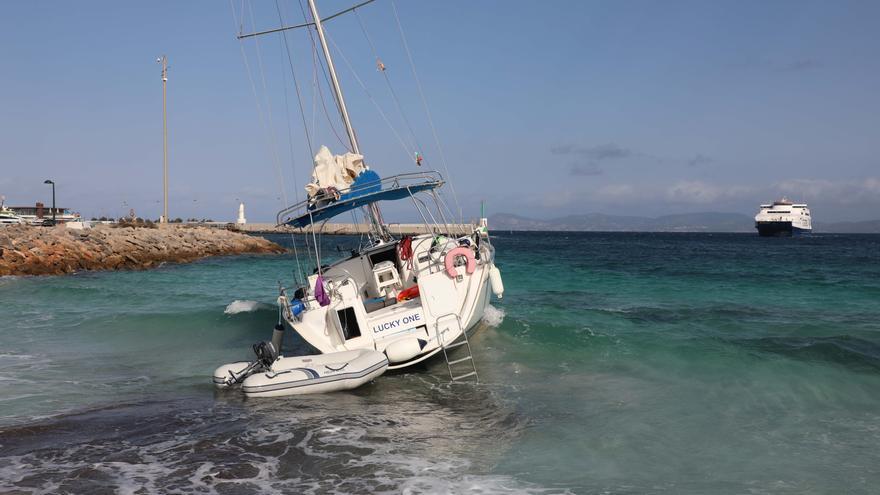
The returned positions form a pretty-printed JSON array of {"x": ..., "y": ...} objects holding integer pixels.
[
  {"x": 403, "y": 350},
  {"x": 495, "y": 281}
]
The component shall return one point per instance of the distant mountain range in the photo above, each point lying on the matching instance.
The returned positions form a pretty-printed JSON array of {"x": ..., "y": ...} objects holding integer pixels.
[
  {"x": 687, "y": 222},
  {"x": 866, "y": 227}
]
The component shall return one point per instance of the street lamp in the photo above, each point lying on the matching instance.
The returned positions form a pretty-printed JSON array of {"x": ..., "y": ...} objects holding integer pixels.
[
  {"x": 47, "y": 181},
  {"x": 164, "y": 61}
]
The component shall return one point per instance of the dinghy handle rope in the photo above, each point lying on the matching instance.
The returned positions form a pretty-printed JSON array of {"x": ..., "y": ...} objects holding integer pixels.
[
  {"x": 312, "y": 374},
  {"x": 336, "y": 369},
  {"x": 273, "y": 375}
]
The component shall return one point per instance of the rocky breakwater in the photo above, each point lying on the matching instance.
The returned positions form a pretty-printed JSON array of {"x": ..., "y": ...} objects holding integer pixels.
[{"x": 58, "y": 250}]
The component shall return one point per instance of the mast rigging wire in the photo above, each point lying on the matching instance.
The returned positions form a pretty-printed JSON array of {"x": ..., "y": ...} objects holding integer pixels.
[
  {"x": 370, "y": 96},
  {"x": 299, "y": 100},
  {"x": 427, "y": 111},
  {"x": 300, "y": 275},
  {"x": 271, "y": 125},
  {"x": 314, "y": 81},
  {"x": 290, "y": 136},
  {"x": 415, "y": 140},
  {"x": 324, "y": 73},
  {"x": 262, "y": 116},
  {"x": 368, "y": 212},
  {"x": 295, "y": 82}
]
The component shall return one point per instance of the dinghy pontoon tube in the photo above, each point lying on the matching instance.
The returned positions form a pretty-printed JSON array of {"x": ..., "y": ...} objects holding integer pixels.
[
  {"x": 273, "y": 376},
  {"x": 316, "y": 374}
]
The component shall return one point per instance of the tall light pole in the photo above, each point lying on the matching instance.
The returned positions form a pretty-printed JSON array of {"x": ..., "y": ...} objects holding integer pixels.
[
  {"x": 47, "y": 181},
  {"x": 164, "y": 61}
]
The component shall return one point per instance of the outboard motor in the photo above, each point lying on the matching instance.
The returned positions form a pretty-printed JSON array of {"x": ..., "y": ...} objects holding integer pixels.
[
  {"x": 266, "y": 354},
  {"x": 235, "y": 373}
]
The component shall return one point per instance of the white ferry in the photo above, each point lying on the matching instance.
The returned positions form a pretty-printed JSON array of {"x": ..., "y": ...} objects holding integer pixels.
[{"x": 783, "y": 219}]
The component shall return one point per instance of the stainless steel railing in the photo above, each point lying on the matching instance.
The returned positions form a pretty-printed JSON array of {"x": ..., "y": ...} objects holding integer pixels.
[{"x": 399, "y": 181}]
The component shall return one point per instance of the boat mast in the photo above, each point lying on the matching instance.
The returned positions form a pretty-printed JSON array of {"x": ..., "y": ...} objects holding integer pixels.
[
  {"x": 340, "y": 101},
  {"x": 372, "y": 209}
]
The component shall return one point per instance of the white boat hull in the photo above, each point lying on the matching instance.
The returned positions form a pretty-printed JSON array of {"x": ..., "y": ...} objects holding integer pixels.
[{"x": 451, "y": 301}]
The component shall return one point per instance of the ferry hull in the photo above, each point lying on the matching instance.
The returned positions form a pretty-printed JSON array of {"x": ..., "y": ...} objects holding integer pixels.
[{"x": 779, "y": 229}]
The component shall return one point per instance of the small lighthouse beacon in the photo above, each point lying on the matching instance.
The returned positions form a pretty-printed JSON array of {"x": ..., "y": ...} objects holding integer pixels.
[{"x": 241, "y": 219}]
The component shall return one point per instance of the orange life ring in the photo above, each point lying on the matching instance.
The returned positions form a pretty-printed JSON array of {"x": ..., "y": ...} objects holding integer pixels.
[
  {"x": 454, "y": 253},
  {"x": 406, "y": 295}
]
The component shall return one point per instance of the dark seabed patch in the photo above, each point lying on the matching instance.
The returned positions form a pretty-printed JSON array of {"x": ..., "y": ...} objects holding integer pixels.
[{"x": 407, "y": 433}]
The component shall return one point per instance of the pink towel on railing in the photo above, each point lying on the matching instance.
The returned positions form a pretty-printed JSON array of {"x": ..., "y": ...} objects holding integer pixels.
[{"x": 321, "y": 294}]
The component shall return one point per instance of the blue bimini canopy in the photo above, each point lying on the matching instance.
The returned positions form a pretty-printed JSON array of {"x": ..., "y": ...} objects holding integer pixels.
[{"x": 392, "y": 188}]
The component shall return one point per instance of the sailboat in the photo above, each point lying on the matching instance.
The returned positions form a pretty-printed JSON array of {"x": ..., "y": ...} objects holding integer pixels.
[{"x": 395, "y": 301}]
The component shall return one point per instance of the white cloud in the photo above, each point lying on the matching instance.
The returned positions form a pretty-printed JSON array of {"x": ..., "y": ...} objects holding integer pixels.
[
  {"x": 598, "y": 153},
  {"x": 694, "y": 192},
  {"x": 614, "y": 193},
  {"x": 558, "y": 199},
  {"x": 845, "y": 199},
  {"x": 854, "y": 192},
  {"x": 699, "y": 192}
]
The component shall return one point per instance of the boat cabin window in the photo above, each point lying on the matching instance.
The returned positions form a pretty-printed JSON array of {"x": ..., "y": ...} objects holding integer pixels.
[{"x": 348, "y": 321}]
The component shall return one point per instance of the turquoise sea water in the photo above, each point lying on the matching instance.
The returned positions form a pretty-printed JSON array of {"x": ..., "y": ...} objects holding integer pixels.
[{"x": 616, "y": 363}]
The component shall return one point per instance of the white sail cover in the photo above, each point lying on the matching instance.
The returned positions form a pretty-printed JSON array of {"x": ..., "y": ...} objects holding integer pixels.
[{"x": 337, "y": 171}]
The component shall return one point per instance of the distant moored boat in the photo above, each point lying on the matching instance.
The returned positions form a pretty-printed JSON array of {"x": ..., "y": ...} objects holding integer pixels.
[{"x": 7, "y": 216}]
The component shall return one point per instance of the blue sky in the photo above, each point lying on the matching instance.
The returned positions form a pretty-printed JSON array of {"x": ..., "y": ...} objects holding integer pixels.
[{"x": 543, "y": 108}]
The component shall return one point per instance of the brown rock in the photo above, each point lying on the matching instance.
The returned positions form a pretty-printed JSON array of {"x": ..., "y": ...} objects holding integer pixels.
[{"x": 35, "y": 250}]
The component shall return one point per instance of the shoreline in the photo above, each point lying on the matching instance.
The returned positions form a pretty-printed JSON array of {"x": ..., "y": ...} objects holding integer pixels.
[{"x": 26, "y": 250}]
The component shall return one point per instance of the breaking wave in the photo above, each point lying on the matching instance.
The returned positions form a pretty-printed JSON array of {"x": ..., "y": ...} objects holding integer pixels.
[
  {"x": 239, "y": 306},
  {"x": 493, "y": 316}
]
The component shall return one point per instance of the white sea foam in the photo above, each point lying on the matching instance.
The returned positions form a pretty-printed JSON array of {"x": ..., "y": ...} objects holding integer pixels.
[
  {"x": 177, "y": 464},
  {"x": 239, "y": 306},
  {"x": 9, "y": 355},
  {"x": 493, "y": 316},
  {"x": 8, "y": 279}
]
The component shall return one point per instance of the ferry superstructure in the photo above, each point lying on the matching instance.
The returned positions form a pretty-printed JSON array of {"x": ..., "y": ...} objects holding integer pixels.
[{"x": 783, "y": 218}]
